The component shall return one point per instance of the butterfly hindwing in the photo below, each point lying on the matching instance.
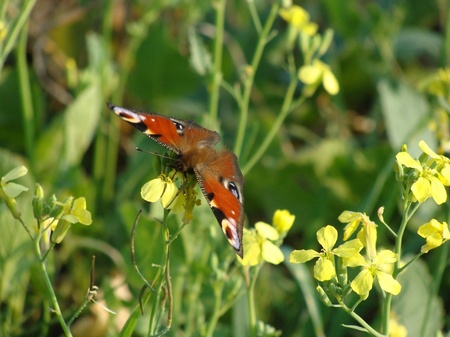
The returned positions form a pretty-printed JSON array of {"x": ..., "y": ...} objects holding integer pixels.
[{"x": 222, "y": 184}]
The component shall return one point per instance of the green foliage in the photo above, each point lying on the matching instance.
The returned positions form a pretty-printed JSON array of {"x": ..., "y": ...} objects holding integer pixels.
[{"x": 253, "y": 75}]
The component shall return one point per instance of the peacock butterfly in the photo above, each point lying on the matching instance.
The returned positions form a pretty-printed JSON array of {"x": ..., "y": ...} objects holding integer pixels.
[{"x": 217, "y": 172}]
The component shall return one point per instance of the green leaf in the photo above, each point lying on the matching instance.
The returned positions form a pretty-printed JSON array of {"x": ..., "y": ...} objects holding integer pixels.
[
  {"x": 200, "y": 58},
  {"x": 405, "y": 114},
  {"x": 80, "y": 123}
]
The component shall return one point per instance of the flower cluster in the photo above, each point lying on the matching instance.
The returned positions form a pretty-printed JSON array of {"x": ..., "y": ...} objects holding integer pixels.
[
  {"x": 313, "y": 46},
  {"x": 262, "y": 242},
  {"x": 425, "y": 177},
  {"x": 375, "y": 265},
  {"x": 50, "y": 214},
  {"x": 179, "y": 199}
]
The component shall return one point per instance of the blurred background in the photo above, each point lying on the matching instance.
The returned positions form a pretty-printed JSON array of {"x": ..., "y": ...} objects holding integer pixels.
[{"x": 332, "y": 153}]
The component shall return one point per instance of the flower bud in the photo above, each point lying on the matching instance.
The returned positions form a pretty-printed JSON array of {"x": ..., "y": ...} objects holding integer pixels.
[
  {"x": 60, "y": 231},
  {"x": 323, "y": 296},
  {"x": 37, "y": 201}
]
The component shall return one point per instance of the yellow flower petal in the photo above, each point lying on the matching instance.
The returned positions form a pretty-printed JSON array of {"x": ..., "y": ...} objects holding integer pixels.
[
  {"x": 79, "y": 210},
  {"x": 363, "y": 283},
  {"x": 310, "y": 74},
  {"x": 421, "y": 189},
  {"x": 153, "y": 190},
  {"x": 438, "y": 191},
  {"x": 283, "y": 220},
  {"x": 388, "y": 283},
  {"x": 427, "y": 150},
  {"x": 330, "y": 82},
  {"x": 384, "y": 257},
  {"x": 169, "y": 194},
  {"x": 324, "y": 270},
  {"x": 252, "y": 248},
  {"x": 302, "y": 255},
  {"x": 348, "y": 249},
  {"x": 327, "y": 237},
  {"x": 266, "y": 231},
  {"x": 271, "y": 253},
  {"x": 405, "y": 159}
]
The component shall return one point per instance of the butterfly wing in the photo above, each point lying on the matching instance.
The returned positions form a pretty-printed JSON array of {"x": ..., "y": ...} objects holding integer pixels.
[
  {"x": 174, "y": 134},
  {"x": 221, "y": 182}
]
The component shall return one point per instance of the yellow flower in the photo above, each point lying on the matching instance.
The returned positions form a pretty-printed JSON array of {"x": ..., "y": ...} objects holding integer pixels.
[
  {"x": 9, "y": 190},
  {"x": 297, "y": 17},
  {"x": 74, "y": 211},
  {"x": 375, "y": 268},
  {"x": 283, "y": 221},
  {"x": 433, "y": 174},
  {"x": 162, "y": 188},
  {"x": 324, "y": 269},
  {"x": 368, "y": 233},
  {"x": 259, "y": 246},
  {"x": 435, "y": 233},
  {"x": 396, "y": 329},
  {"x": 318, "y": 72}
]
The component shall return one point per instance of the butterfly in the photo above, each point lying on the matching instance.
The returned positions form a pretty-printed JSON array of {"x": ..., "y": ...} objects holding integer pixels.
[{"x": 217, "y": 172}]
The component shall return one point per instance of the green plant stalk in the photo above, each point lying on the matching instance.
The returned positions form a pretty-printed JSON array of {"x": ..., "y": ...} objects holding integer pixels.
[
  {"x": 244, "y": 103},
  {"x": 51, "y": 293},
  {"x": 360, "y": 320},
  {"x": 194, "y": 294},
  {"x": 285, "y": 110},
  {"x": 386, "y": 312},
  {"x": 127, "y": 61},
  {"x": 17, "y": 26},
  {"x": 251, "y": 300},
  {"x": 159, "y": 279},
  {"x": 217, "y": 312},
  {"x": 217, "y": 66},
  {"x": 437, "y": 279},
  {"x": 25, "y": 94}
]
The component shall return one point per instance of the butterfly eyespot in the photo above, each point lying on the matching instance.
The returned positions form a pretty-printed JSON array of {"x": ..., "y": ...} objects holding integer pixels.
[
  {"x": 233, "y": 189},
  {"x": 179, "y": 127}
]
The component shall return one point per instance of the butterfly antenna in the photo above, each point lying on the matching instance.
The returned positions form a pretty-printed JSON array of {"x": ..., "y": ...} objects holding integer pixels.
[{"x": 154, "y": 153}]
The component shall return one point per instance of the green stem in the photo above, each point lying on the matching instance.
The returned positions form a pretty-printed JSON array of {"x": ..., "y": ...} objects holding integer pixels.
[
  {"x": 217, "y": 67},
  {"x": 285, "y": 109},
  {"x": 360, "y": 320},
  {"x": 386, "y": 312},
  {"x": 251, "y": 299},
  {"x": 159, "y": 279},
  {"x": 51, "y": 293},
  {"x": 244, "y": 104},
  {"x": 11, "y": 38},
  {"x": 217, "y": 312},
  {"x": 25, "y": 94},
  {"x": 437, "y": 279}
]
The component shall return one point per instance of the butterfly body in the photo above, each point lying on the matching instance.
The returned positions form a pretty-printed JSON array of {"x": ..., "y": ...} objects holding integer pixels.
[{"x": 217, "y": 172}]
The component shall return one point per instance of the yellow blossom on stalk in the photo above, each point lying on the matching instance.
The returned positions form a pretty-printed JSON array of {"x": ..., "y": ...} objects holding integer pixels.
[
  {"x": 283, "y": 221},
  {"x": 259, "y": 245},
  {"x": 162, "y": 187},
  {"x": 324, "y": 269},
  {"x": 439, "y": 83},
  {"x": 435, "y": 233},
  {"x": 319, "y": 72},
  {"x": 375, "y": 268},
  {"x": 396, "y": 329},
  {"x": 9, "y": 190},
  {"x": 368, "y": 233},
  {"x": 74, "y": 211},
  {"x": 297, "y": 17}
]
